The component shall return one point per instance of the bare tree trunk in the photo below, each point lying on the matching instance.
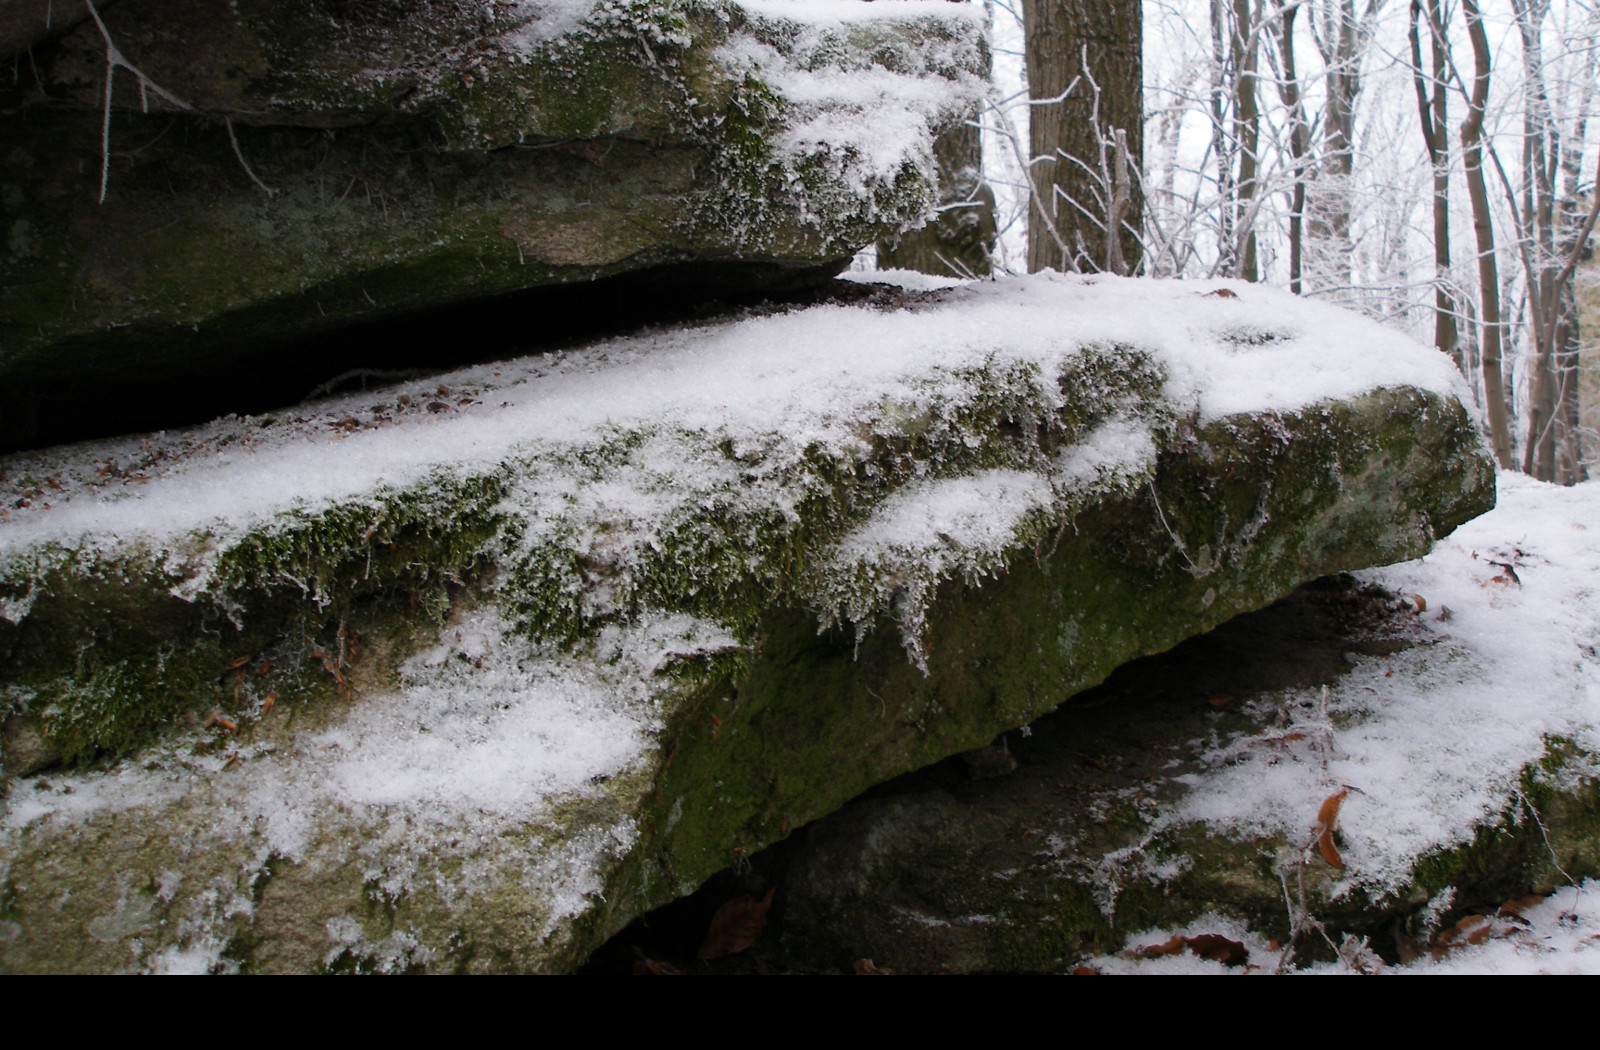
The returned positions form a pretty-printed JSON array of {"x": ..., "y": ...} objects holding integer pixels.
[
  {"x": 1299, "y": 138},
  {"x": 1086, "y": 53},
  {"x": 1494, "y": 394},
  {"x": 1570, "y": 432},
  {"x": 1342, "y": 37},
  {"x": 1247, "y": 121},
  {"x": 1540, "y": 150},
  {"x": 1569, "y": 467},
  {"x": 1221, "y": 144},
  {"x": 1432, "y": 110}
]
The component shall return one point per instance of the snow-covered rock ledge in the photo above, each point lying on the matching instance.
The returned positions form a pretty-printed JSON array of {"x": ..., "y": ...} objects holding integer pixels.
[{"x": 467, "y": 674}]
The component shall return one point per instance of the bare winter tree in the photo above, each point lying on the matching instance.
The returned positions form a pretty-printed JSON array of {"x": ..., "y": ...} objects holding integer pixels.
[
  {"x": 1496, "y": 409},
  {"x": 1545, "y": 236},
  {"x": 1280, "y": 26},
  {"x": 1263, "y": 160},
  {"x": 1343, "y": 36},
  {"x": 1427, "y": 20}
]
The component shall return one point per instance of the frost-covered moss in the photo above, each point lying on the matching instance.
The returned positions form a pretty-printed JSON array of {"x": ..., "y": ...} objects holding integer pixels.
[
  {"x": 587, "y": 595},
  {"x": 1076, "y": 856},
  {"x": 839, "y": 711},
  {"x": 114, "y": 645}
]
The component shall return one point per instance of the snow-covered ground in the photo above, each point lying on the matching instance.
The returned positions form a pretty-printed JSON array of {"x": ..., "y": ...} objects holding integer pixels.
[
  {"x": 1558, "y": 935},
  {"x": 1431, "y": 742}
]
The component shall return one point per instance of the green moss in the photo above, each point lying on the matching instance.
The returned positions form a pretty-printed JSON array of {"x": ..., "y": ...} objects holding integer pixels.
[
  {"x": 730, "y": 559},
  {"x": 757, "y": 741},
  {"x": 834, "y": 715},
  {"x": 619, "y": 146},
  {"x": 141, "y": 657}
]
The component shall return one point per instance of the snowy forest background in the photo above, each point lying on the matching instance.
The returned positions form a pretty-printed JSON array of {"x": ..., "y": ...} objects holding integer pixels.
[{"x": 1285, "y": 142}]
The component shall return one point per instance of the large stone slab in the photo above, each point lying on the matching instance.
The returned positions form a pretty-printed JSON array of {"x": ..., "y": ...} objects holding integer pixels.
[
  {"x": 467, "y": 675},
  {"x": 266, "y": 172},
  {"x": 1451, "y": 725}
]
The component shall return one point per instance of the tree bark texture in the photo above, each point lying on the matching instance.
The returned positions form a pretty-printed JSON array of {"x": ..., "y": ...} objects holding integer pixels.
[
  {"x": 1342, "y": 36},
  {"x": 1494, "y": 394},
  {"x": 1247, "y": 119},
  {"x": 1299, "y": 136},
  {"x": 1433, "y": 112},
  {"x": 1089, "y": 52}
]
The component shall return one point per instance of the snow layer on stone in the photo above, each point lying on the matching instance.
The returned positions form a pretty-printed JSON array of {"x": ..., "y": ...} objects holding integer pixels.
[
  {"x": 964, "y": 527},
  {"x": 1433, "y": 741},
  {"x": 542, "y": 20},
  {"x": 779, "y": 384},
  {"x": 978, "y": 512},
  {"x": 486, "y": 734},
  {"x": 1560, "y": 935},
  {"x": 489, "y": 731},
  {"x": 910, "y": 280},
  {"x": 862, "y": 116}
]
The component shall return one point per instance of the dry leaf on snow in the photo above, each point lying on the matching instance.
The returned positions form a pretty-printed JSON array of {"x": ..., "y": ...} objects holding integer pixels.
[
  {"x": 1211, "y": 946},
  {"x": 1327, "y": 821}
]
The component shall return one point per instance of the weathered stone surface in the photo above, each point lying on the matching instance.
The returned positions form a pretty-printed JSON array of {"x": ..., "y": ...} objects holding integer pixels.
[
  {"x": 309, "y": 164},
  {"x": 1084, "y": 847},
  {"x": 526, "y": 653}
]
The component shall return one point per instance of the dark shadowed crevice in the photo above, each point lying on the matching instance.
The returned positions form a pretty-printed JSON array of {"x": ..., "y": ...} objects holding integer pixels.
[{"x": 251, "y": 377}]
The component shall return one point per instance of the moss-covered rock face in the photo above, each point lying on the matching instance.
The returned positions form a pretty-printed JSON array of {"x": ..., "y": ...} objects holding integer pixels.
[
  {"x": 467, "y": 675},
  {"x": 1086, "y": 842},
  {"x": 305, "y": 165}
]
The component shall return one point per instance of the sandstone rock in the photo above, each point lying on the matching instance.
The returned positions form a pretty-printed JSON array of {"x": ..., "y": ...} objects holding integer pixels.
[
  {"x": 1087, "y": 844},
  {"x": 308, "y": 164},
  {"x": 467, "y": 675}
]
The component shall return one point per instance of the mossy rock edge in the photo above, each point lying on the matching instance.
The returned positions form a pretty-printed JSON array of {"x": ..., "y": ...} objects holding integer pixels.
[{"x": 754, "y": 734}]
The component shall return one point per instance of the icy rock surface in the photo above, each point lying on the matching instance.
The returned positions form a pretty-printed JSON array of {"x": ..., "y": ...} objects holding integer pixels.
[{"x": 467, "y": 673}]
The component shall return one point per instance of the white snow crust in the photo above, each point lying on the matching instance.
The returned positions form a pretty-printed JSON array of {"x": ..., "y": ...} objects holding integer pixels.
[
  {"x": 1433, "y": 742},
  {"x": 867, "y": 118},
  {"x": 777, "y": 384}
]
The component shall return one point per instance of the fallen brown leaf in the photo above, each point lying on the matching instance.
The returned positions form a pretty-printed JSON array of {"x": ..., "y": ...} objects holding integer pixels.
[
  {"x": 1327, "y": 821},
  {"x": 1517, "y": 905},
  {"x": 1211, "y": 946},
  {"x": 735, "y": 926},
  {"x": 1473, "y": 929},
  {"x": 1281, "y": 738}
]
